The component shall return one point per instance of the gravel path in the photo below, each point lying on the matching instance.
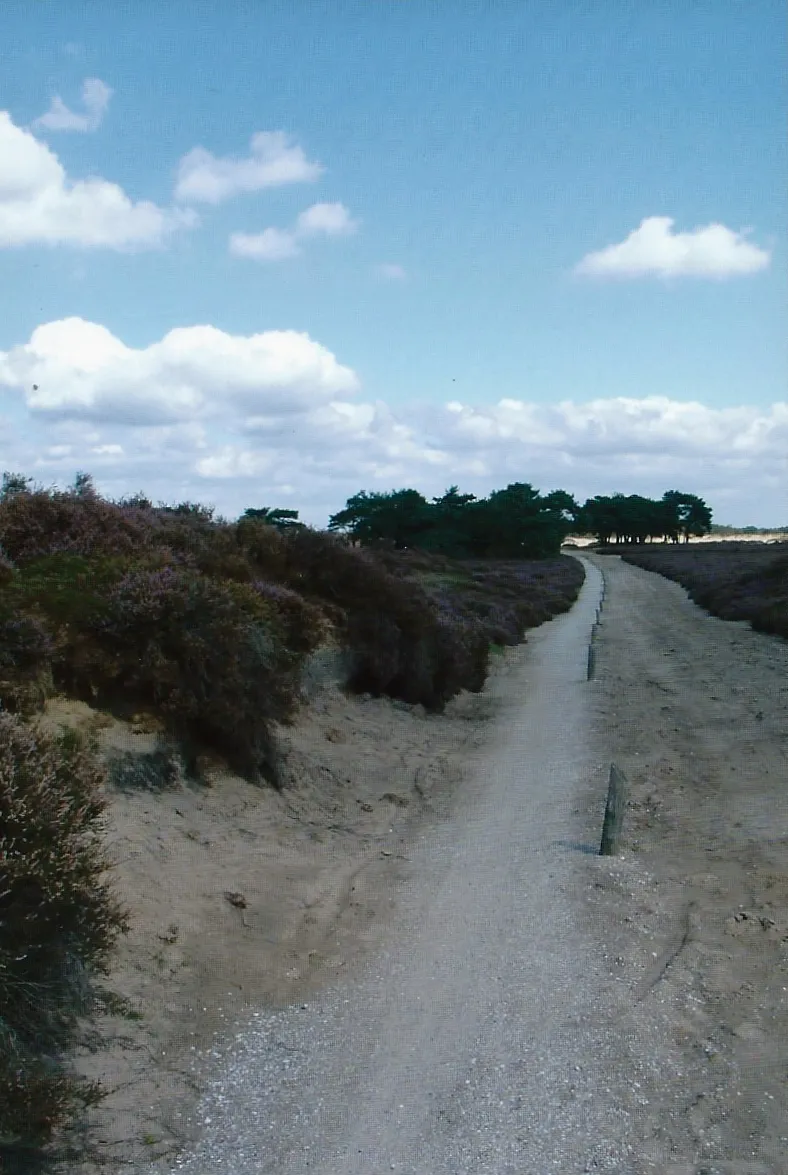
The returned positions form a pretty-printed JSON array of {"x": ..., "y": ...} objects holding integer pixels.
[{"x": 491, "y": 1035}]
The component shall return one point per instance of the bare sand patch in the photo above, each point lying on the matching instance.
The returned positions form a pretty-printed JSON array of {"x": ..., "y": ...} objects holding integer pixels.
[
  {"x": 241, "y": 896},
  {"x": 694, "y": 913}
]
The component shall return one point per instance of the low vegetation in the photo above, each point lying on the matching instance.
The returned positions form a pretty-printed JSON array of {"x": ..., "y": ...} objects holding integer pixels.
[
  {"x": 205, "y": 624},
  {"x": 736, "y": 581},
  {"x": 58, "y": 923}
]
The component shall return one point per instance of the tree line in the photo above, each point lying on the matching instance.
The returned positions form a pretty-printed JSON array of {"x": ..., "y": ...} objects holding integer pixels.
[
  {"x": 518, "y": 522},
  {"x": 514, "y": 523}
]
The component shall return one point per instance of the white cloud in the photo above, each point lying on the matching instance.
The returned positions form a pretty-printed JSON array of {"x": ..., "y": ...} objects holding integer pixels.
[
  {"x": 619, "y": 428},
  {"x": 73, "y": 369},
  {"x": 273, "y": 161},
  {"x": 392, "y": 272},
  {"x": 653, "y": 248},
  {"x": 227, "y": 419},
  {"x": 95, "y": 98},
  {"x": 272, "y": 244},
  {"x": 331, "y": 219},
  {"x": 39, "y": 204},
  {"x": 277, "y": 244}
]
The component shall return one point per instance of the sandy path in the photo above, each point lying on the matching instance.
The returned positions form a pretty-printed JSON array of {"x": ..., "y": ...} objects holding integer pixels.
[
  {"x": 491, "y": 1034},
  {"x": 695, "y": 914}
]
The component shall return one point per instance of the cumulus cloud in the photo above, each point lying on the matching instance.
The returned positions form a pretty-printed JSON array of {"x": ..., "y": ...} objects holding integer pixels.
[
  {"x": 655, "y": 249},
  {"x": 275, "y": 418},
  {"x": 95, "y": 98},
  {"x": 273, "y": 161},
  {"x": 277, "y": 244},
  {"x": 73, "y": 369},
  {"x": 331, "y": 220},
  {"x": 39, "y": 204}
]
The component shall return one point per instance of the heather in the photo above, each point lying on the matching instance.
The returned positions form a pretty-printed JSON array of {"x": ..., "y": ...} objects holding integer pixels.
[
  {"x": 58, "y": 923},
  {"x": 206, "y": 622},
  {"x": 736, "y": 581}
]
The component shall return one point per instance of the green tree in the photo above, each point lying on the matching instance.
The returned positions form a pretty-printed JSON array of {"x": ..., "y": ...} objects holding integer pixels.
[
  {"x": 513, "y": 523},
  {"x": 450, "y": 517},
  {"x": 84, "y": 486},
  {"x": 563, "y": 503},
  {"x": 15, "y": 483},
  {"x": 694, "y": 516},
  {"x": 399, "y": 518},
  {"x": 516, "y": 523},
  {"x": 598, "y": 516},
  {"x": 276, "y": 516}
]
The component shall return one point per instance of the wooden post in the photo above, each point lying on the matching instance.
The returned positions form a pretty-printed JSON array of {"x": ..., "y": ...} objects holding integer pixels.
[
  {"x": 591, "y": 662},
  {"x": 614, "y": 813}
]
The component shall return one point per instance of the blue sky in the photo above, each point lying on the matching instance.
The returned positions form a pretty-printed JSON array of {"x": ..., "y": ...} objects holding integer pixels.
[{"x": 476, "y": 243}]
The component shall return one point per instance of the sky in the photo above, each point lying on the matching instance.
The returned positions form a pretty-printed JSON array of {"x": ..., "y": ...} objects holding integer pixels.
[{"x": 259, "y": 253}]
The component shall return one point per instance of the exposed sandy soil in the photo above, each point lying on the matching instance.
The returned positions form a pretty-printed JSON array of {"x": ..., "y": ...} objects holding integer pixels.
[
  {"x": 241, "y": 896},
  {"x": 692, "y": 914},
  {"x": 769, "y": 536}
]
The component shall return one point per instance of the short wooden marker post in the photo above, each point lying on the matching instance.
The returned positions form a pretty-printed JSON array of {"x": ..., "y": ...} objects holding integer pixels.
[
  {"x": 591, "y": 662},
  {"x": 614, "y": 813}
]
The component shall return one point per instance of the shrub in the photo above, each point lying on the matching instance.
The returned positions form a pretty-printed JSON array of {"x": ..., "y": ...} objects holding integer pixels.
[
  {"x": 25, "y": 655},
  {"x": 39, "y": 522},
  {"x": 7, "y": 569},
  {"x": 264, "y": 546},
  {"x": 58, "y": 924},
  {"x": 65, "y": 597},
  {"x": 303, "y": 623},
  {"x": 204, "y": 654},
  {"x": 400, "y": 643}
]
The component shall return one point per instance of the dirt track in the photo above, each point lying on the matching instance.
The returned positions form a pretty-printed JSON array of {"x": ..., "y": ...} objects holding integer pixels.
[
  {"x": 695, "y": 710},
  {"x": 683, "y": 939}
]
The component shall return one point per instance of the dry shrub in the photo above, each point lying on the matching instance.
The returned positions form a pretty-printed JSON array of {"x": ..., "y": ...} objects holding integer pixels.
[
  {"x": 501, "y": 598},
  {"x": 400, "y": 643},
  {"x": 209, "y": 656},
  {"x": 58, "y": 924},
  {"x": 204, "y": 654},
  {"x": 42, "y": 522}
]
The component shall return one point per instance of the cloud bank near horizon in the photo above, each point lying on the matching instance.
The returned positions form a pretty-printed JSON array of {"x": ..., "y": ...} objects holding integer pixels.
[{"x": 276, "y": 418}]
